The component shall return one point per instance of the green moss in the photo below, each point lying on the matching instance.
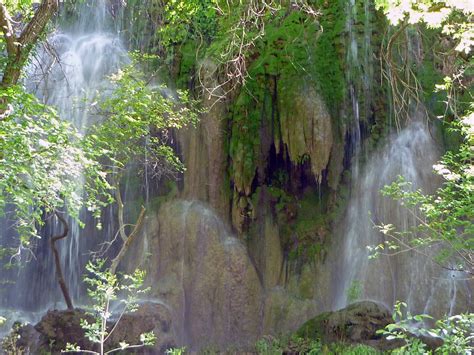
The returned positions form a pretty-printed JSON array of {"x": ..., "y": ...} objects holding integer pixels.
[
  {"x": 313, "y": 328},
  {"x": 293, "y": 47},
  {"x": 251, "y": 109},
  {"x": 305, "y": 237},
  {"x": 188, "y": 59},
  {"x": 329, "y": 53},
  {"x": 295, "y": 344}
]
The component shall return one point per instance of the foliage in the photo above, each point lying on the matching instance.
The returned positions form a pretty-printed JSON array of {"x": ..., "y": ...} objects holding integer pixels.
[
  {"x": 455, "y": 331},
  {"x": 138, "y": 124},
  {"x": 448, "y": 30},
  {"x": 445, "y": 217},
  {"x": 10, "y": 342},
  {"x": 176, "y": 351},
  {"x": 42, "y": 161},
  {"x": 104, "y": 288},
  {"x": 298, "y": 345},
  {"x": 46, "y": 165},
  {"x": 188, "y": 19},
  {"x": 434, "y": 14}
]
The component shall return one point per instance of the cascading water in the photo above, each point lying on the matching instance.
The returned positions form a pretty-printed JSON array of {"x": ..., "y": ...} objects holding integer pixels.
[
  {"x": 409, "y": 277},
  {"x": 359, "y": 65},
  {"x": 67, "y": 73}
]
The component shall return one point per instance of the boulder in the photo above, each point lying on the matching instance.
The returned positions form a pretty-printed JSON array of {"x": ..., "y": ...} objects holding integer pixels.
[
  {"x": 149, "y": 317},
  {"x": 57, "y": 328},
  {"x": 355, "y": 324}
]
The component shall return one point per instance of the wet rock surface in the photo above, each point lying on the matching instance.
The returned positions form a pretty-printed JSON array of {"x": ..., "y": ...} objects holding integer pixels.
[{"x": 205, "y": 276}]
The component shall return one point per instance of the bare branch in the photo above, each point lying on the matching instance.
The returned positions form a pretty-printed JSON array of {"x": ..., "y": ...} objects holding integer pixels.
[
  {"x": 57, "y": 260},
  {"x": 120, "y": 212},
  {"x": 128, "y": 242}
]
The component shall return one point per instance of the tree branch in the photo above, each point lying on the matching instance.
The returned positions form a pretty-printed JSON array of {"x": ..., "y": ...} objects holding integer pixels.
[
  {"x": 7, "y": 29},
  {"x": 36, "y": 26},
  {"x": 126, "y": 244},
  {"x": 57, "y": 260},
  {"x": 120, "y": 212},
  {"x": 20, "y": 48}
]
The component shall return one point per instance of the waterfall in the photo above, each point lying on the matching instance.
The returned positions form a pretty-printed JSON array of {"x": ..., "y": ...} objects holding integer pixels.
[
  {"x": 67, "y": 72},
  {"x": 359, "y": 63},
  {"x": 409, "y": 277},
  {"x": 426, "y": 287}
]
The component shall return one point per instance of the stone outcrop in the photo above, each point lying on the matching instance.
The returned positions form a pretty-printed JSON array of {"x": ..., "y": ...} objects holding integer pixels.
[
  {"x": 205, "y": 276},
  {"x": 149, "y": 317},
  {"x": 58, "y": 328},
  {"x": 218, "y": 292},
  {"x": 306, "y": 129},
  {"x": 356, "y": 324}
]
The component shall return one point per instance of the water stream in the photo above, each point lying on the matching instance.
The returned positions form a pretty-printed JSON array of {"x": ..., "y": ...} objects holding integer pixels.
[
  {"x": 67, "y": 72},
  {"x": 411, "y": 153},
  {"x": 408, "y": 276}
]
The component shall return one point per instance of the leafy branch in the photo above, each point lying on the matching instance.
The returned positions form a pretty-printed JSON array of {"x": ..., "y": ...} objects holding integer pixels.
[{"x": 104, "y": 287}]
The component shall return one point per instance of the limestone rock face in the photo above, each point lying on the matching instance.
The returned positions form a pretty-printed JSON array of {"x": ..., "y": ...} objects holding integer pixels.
[
  {"x": 205, "y": 276},
  {"x": 286, "y": 311},
  {"x": 306, "y": 129},
  {"x": 203, "y": 146}
]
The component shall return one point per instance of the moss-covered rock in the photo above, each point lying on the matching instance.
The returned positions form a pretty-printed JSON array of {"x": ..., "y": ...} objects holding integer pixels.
[
  {"x": 356, "y": 324},
  {"x": 306, "y": 129}
]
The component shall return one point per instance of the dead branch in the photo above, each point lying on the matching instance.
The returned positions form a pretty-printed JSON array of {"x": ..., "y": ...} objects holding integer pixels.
[
  {"x": 126, "y": 239},
  {"x": 128, "y": 242},
  {"x": 243, "y": 35}
]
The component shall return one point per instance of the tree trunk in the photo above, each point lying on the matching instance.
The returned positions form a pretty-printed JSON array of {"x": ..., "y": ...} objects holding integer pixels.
[
  {"x": 19, "y": 47},
  {"x": 57, "y": 261}
]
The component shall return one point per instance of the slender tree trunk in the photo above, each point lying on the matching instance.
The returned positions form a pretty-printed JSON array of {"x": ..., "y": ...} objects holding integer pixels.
[
  {"x": 19, "y": 47},
  {"x": 57, "y": 261},
  {"x": 127, "y": 240}
]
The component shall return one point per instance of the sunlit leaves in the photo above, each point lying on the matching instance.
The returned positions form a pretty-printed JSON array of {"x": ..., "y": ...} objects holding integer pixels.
[
  {"x": 185, "y": 19},
  {"x": 435, "y": 14},
  {"x": 46, "y": 165},
  {"x": 456, "y": 332},
  {"x": 138, "y": 119},
  {"x": 41, "y": 164},
  {"x": 104, "y": 287}
]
